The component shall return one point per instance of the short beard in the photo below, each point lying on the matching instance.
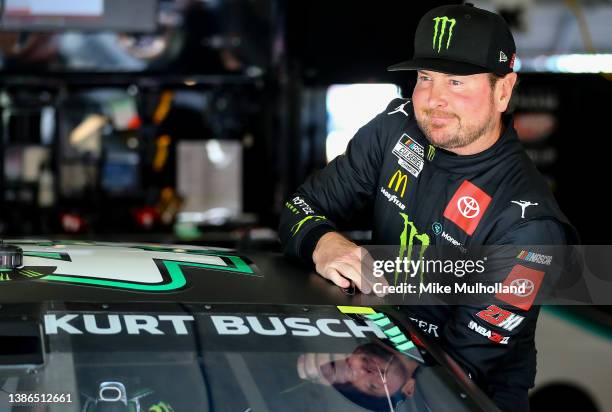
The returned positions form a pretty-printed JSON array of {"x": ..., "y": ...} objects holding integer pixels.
[{"x": 464, "y": 137}]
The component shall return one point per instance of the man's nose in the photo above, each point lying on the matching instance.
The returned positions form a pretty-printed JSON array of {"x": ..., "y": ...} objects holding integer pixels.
[
  {"x": 366, "y": 371},
  {"x": 437, "y": 96}
]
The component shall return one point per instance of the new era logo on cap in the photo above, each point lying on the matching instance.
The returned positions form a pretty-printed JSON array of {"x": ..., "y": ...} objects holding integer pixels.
[
  {"x": 467, "y": 207},
  {"x": 502, "y": 57},
  {"x": 529, "y": 279}
]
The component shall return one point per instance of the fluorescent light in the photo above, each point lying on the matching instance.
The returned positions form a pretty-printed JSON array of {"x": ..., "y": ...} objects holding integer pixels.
[
  {"x": 567, "y": 63},
  {"x": 90, "y": 126}
]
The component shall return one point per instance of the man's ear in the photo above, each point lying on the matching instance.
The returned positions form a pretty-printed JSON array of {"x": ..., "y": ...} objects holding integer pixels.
[
  {"x": 503, "y": 91},
  {"x": 408, "y": 388}
]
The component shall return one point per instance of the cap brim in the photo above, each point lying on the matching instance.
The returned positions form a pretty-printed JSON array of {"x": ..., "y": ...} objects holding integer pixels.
[{"x": 439, "y": 65}]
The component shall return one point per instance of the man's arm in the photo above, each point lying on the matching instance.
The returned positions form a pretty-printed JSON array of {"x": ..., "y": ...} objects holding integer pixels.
[
  {"x": 332, "y": 195},
  {"x": 483, "y": 337}
]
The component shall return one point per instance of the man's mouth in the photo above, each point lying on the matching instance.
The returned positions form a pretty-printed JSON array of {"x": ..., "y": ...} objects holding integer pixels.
[
  {"x": 439, "y": 115},
  {"x": 328, "y": 371},
  {"x": 439, "y": 121}
]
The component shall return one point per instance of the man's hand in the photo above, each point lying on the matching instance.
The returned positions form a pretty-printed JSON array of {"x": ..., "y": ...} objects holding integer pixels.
[
  {"x": 309, "y": 366},
  {"x": 338, "y": 259}
]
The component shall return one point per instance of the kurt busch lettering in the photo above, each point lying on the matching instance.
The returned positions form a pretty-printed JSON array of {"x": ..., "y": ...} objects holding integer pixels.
[
  {"x": 79, "y": 324},
  {"x": 276, "y": 326},
  {"x": 115, "y": 324}
]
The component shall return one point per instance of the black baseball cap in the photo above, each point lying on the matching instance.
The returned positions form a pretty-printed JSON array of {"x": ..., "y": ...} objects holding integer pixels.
[{"x": 461, "y": 39}]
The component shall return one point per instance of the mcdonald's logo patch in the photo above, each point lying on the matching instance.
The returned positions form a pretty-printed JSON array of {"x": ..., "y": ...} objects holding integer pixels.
[{"x": 399, "y": 179}]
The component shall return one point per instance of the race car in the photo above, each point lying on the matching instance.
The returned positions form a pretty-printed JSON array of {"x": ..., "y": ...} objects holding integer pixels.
[{"x": 89, "y": 326}]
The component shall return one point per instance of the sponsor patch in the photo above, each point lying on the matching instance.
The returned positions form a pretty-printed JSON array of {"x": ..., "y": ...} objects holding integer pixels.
[
  {"x": 492, "y": 336},
  {"x": 410, "y": 154},
  {"x": 392, "y": 198},
  {"x": 400, "y": 180},
  {"x": 501, "y": 318},
  {"x": 467, "y": 207},
  {"x": 438, "y": 230},
  {"x": 400, "y": 109},
  {"x": 301, "y": 203},
  {"x": 521, "y": 275},
  {"x": 523, "y": 204},
  {"x": 535, "y": 258}
]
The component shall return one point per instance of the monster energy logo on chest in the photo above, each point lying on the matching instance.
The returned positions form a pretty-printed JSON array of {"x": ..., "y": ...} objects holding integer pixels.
[
  {"x": 441, "y": 25},
  {"x": 407, "y": 237}
]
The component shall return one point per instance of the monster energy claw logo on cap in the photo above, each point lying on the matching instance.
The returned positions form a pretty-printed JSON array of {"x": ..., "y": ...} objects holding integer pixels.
[{"x": 442, "y": 23}]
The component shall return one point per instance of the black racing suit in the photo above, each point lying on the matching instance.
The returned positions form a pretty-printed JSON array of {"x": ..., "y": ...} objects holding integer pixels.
[{"x": 415, "y": 186}]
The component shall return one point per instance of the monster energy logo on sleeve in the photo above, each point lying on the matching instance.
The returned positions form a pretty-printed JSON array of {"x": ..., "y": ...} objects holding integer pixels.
[
  {"x": 292, "y": 208},
  {"x": 444, "y": 20},
  {"x": 407, "y": 242},
  {"x": 296, "y": 228}
]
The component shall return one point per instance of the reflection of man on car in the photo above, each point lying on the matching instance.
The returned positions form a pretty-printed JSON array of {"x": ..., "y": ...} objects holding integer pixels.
[{"x": 373, "y": 376}]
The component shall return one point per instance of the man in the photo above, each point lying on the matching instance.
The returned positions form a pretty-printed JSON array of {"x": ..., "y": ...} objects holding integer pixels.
[
  {"x": 375, "y": 376},
  {"x": 444, "y": 168}
]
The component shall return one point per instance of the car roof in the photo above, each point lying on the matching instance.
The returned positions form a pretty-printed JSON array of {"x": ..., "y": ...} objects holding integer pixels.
[
  {"x": 130, "y": 272},
  {"x": 84, "y": 276}
]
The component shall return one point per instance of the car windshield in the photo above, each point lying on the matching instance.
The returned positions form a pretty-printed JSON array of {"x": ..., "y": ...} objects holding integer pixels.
[{"x": 224, "y": 357}]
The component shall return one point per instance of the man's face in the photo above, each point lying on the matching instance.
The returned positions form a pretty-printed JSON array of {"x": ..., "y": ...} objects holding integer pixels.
[
  {"x": 451, "y": 110},
  {"x": 365, "y": 371}
]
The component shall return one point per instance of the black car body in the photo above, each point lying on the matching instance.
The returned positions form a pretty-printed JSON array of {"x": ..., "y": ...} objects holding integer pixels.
[{"x": 133, "y": 327}]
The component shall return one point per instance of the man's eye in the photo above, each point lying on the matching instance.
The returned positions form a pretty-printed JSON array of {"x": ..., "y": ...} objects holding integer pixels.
[
  {"x": 422, "y": 78},
  {"x": 456, "y": 83}
]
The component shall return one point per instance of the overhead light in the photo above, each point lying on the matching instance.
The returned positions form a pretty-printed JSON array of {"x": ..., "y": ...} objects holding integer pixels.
[
  {"x": 567, "y": 63},
  {"x": 584, "y": 63}
]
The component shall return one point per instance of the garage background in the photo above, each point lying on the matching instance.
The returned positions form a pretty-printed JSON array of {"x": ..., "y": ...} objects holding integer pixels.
[{"x": 191, "y": 121}]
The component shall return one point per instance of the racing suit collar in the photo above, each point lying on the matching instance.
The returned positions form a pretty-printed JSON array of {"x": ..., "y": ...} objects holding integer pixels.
[{"x": 507, "y": 145}]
